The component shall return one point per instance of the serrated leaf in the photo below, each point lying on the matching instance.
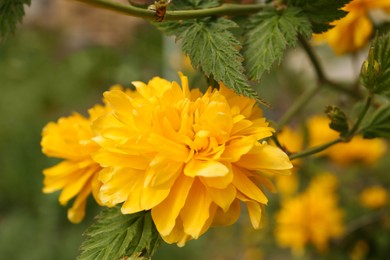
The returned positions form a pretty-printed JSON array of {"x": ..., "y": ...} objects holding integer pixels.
[
  {"x": 321, "y": 12},
  {"x": 11, "y": 13},
  {"x": 213, "y": 49},
  {"x": 118, "y": 236},
  {"x": 379, "y": 124},
  {"x": 268, "y": 35},
  {"x": 381, "y": 50}
]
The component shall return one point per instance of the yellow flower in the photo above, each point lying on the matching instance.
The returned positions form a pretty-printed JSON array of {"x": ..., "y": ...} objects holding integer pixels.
[
  {"x": 310, "y": 217},
  {"x": 362, "y": 150},
  {"x": 187, "y": 157},
  {"x": 291, "y": 140},
  {"x": 71, "y": 139},
  {"x": 352, "y": 32},
  {"x": 374, "y": 197}
]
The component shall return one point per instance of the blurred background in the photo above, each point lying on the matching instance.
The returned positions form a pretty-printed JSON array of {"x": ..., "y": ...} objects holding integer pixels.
[{"x": 61, "y": 60}]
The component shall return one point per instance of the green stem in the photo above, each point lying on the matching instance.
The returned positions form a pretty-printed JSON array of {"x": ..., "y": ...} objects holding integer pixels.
[
  {"x": 313, "y": 58},
  {"x": 222, "y": 10},
  {"x": 316, "y": 149},
  {"x": 322, "y": 78},
  {"x": 297, "y": 106},
  {"x": 361, "y": 116}
]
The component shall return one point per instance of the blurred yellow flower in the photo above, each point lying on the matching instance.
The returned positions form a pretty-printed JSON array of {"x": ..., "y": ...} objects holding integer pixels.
[
  {"x": 374, "y": 197},
  {"x": 292, "y": 142},
  {"x": 310, "y": 217},
  {"x": 77, "y": 175},
  {"x": 187, "y": 157},
  {"x": 352, "y": 32},
  {"x": 362, "y": 150}
]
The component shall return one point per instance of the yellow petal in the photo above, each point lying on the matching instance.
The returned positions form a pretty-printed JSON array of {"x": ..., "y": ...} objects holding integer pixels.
[
  {"x": 164, "y": 215},
  {"x": 151, "y": 197},
  {"x": 195, "y": 212},
  {"x": 118, "y": 184},
  {"x": 162, "y": 172},
  {"x": 205, "y": 168},
  {"x": 109, "y": 158},
  {"x": 247, "y": 187},
  {"x": 177, "y": 235},
  {"x": 223, "y": 197},
  {"x": 77, "y": 212},
  {"x": 167, "y": 148},
  {"x": 236, "y": 148},
  {"x": 133, "y": 201},
  {"x": 121, "y": 105},
  {"x": 255, "y": 213},
  {"x": 265, "y": 157},
  {"x": 229, "y": 217},
  {"x": 218, "y": 182},
  {"x": 74, "y": 187}
]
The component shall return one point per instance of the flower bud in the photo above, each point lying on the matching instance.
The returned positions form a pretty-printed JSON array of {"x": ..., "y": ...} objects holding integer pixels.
[
  {"x": 338, "y": 119},
  {"x": 370, "y": 70}
]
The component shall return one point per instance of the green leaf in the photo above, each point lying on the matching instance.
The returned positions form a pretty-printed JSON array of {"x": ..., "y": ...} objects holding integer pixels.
[
  {"x": 11, "y": 12},
  {"x": 194, "y": 4},
  {"x": 381, "y": 53},
  {"x": 118, "y": 236},
  {"x": 321, "y": 12},
  {"x": 213, "y": 49},
  {"x": 268, "y": 35},
  {"x": 379, "y": 124}
]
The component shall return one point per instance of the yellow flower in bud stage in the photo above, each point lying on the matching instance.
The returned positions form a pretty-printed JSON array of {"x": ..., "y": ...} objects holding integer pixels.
[
  {"x": 190, "y": 158},
  {"x": 352, "y": 32},
  {"x": 310, "y": 217},
  {"x": 374, "y": 197},
  {"x": 77, "y": 175},
  {"x": 362, "y": 150}
]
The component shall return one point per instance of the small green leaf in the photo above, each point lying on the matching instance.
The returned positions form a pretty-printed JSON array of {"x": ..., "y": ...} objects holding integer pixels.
[
  {"x": 379, "y": 56},
  {"x": 321, "y": 12},
  {"x": 11, "y": 12},
  {"x": 213, "y": 49},
  {"x": 269, "y": 33},
  {"x": 118, "y": 236},
  {"x": 379, "y": 124}
]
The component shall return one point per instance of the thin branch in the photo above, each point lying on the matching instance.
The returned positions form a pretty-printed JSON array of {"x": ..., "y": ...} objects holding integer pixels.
[
  {"x": 315, "y": 149},
  {"x": 322, "y": 78},
  {"x": 297, "y": 106},
  {"x": 361, "y": 116},
  {"x": 222, "y": 10}
]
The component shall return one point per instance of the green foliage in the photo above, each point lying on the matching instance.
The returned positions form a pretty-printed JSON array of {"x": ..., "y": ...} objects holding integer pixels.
[
  {"x": 321, "y": 12},
  {"x": 379, "y": 54},
  {"x": 118, "y": 236},
  {"x": 195, "y": 4},
  {"x": 11, "y": 12},
  {"x": 213, "y": 49},
  {"x": 379, "y": 124},
  {"x": 269, "y": 33}
]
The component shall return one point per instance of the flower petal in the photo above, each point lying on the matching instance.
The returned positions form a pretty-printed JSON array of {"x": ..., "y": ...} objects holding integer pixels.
[
  {"x": 196, "y": 210},
  {"x": 265, "y": 156},
  {"x": 205, "y": 168},
  {"x": 164, "y": 215}
]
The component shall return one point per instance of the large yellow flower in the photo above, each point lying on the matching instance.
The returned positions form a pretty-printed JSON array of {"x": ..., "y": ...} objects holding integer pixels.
[
  {"x": 71, "y": 139},
  {"x": 352, "y": 32},
  {"x": 310, "y": 217},
  {"x": 187, "y": 157}
]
